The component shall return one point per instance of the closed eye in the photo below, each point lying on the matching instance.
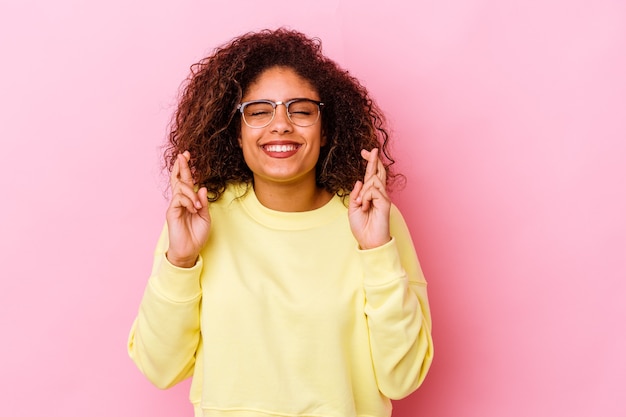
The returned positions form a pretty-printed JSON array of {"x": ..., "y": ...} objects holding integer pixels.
[{"x": 259, "y": 113}]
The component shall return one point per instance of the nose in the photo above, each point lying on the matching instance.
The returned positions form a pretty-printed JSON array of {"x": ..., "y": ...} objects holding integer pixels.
[{"x": 281, "y": 122}]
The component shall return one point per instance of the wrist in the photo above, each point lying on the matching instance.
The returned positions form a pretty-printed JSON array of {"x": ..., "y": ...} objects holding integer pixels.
[
  {"x": 374, "y": 243},
  {"x": 181, "y": 262}
]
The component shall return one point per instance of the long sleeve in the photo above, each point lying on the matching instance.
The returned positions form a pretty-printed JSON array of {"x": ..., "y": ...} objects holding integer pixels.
[
  {"x": 398, "y": 313},
  {"x": 165, "y": 334},
  {"x": 296, "y": 320}
]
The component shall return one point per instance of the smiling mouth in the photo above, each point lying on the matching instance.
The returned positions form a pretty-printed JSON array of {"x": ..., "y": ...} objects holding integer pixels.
[{"x": 281, "y": 148}]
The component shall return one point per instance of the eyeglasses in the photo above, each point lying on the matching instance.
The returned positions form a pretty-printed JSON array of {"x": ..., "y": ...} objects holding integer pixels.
[{"x": 301, "y": 112}]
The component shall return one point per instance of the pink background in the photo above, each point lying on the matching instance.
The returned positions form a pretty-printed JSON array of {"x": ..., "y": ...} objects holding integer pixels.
[{"x": 510, "y": 125}]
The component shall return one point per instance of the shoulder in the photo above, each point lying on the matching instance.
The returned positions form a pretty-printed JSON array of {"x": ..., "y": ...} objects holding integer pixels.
[
  {"x": 398, "y": 225},
  {"x": 395, "y": 215},
  {"x": 233, "y": 192}
]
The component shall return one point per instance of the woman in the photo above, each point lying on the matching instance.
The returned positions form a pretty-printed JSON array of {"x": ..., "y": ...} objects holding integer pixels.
[{"x": 285, "y": 281}]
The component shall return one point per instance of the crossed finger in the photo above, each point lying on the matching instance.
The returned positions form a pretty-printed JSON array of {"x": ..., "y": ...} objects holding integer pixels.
[
  {"x": 374, "y": 181},
  {"x": 183, "y": 187},
  {"x": 375, "y": 166},
  {"x": 181, "y": 171}
]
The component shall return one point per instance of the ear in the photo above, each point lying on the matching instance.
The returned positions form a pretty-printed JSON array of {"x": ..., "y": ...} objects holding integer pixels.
[{"x": 323, "y": 139}]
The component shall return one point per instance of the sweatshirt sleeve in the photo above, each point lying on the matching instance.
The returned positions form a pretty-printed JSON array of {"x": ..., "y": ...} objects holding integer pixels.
[
  {"x": 398, "y": 313},
  {"x": 165, "y": 334}
]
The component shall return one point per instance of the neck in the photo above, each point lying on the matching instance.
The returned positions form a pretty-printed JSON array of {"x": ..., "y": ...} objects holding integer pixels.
[{"x": 292, "y": 197}]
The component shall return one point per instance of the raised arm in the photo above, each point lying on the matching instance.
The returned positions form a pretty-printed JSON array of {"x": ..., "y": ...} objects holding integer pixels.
[
  {"x": 165, "y": 335},
  {"x": 397, "y": 309}
]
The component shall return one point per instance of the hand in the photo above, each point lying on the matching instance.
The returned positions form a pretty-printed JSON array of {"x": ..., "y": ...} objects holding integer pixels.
[
  {"x": 368, "y": 211},
  {"x": 188, "y": 219}
]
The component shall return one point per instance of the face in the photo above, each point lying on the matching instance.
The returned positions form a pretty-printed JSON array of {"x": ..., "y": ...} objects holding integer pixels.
[{"x": 281, "y": 153}]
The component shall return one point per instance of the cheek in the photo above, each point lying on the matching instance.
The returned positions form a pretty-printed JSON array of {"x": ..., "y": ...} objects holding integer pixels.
[
  {"x": 322, "y": 136},
  {"x": 248, "y": 148},
  {"x": 246, "y": 138}
]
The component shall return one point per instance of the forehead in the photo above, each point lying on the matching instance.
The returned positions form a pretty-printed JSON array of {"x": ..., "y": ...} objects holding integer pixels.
[{"x": 280, "y": 83}]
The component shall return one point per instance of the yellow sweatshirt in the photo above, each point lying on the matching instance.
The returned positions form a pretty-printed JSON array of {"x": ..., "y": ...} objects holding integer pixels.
[{"x": 283, "y": 315}]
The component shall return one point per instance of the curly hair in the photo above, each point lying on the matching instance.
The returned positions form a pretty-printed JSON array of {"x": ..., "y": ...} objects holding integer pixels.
[{"x": 207, "y": 123}]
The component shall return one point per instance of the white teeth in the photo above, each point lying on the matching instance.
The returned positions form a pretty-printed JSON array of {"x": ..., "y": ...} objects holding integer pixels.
[{"x": 280, "y": 148}]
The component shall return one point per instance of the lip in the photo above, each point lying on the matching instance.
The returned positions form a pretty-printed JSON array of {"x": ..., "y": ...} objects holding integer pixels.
[{"x": 280, "y": 149}]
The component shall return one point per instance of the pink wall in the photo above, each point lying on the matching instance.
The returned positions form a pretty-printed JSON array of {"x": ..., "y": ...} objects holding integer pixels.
[{"x": 510, "y": 120}]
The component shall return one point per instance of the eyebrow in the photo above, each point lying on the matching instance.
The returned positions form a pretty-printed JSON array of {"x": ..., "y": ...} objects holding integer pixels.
[{"x": 282, "y": 101}]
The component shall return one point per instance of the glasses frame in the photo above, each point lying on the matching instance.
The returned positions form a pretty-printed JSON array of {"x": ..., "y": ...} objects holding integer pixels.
[{"x": 242, "y": 106}]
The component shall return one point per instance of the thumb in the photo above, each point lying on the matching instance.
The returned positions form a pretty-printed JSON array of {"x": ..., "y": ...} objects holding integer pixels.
[{"x": 204, "y": 199}]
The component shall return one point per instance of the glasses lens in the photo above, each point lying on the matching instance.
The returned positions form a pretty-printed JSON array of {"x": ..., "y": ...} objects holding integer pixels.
[
  {"x": 258, "y": 114},
  {"x": 303, "y": 112}
]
